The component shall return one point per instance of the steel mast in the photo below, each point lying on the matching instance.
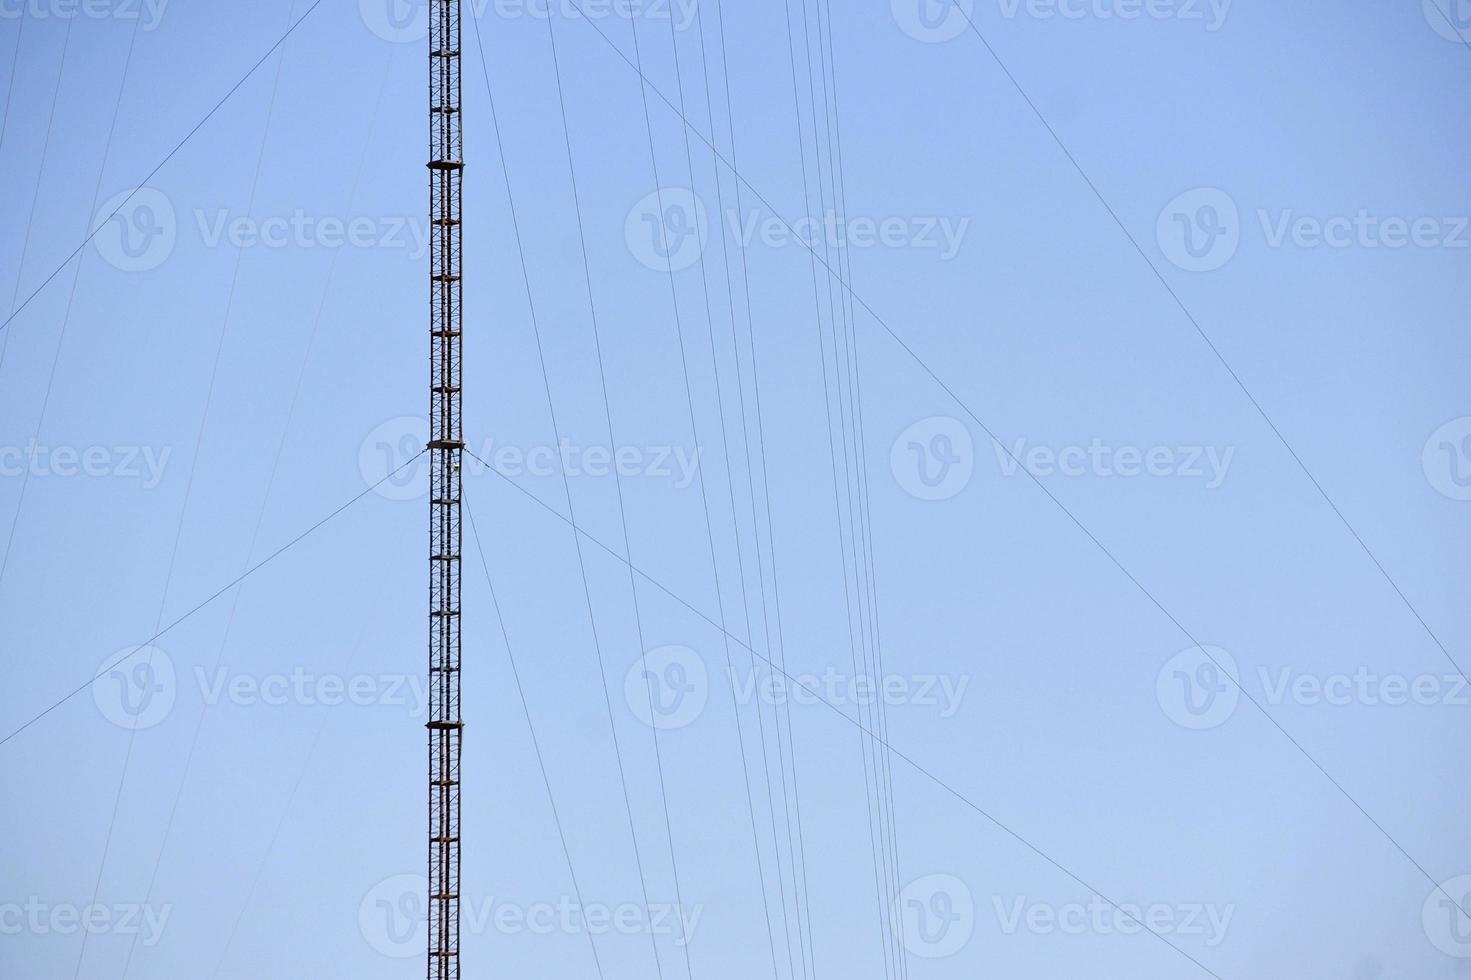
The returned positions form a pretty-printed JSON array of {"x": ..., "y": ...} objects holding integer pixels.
[{"x": 446, "y": 442}]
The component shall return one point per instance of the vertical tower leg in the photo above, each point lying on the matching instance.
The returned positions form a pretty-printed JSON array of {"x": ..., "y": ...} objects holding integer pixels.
[{"x": 446, "y": 440}]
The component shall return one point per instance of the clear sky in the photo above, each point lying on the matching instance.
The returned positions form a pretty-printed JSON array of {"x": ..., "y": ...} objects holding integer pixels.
[{"x": 1200, "y": 268}]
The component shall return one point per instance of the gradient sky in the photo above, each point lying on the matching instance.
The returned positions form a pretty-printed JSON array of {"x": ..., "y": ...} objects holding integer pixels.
[{"x": 240, "y": 351}]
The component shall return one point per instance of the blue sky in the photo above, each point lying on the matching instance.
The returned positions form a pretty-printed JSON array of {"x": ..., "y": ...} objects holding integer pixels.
[{"x": 1222, "y": 284}]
